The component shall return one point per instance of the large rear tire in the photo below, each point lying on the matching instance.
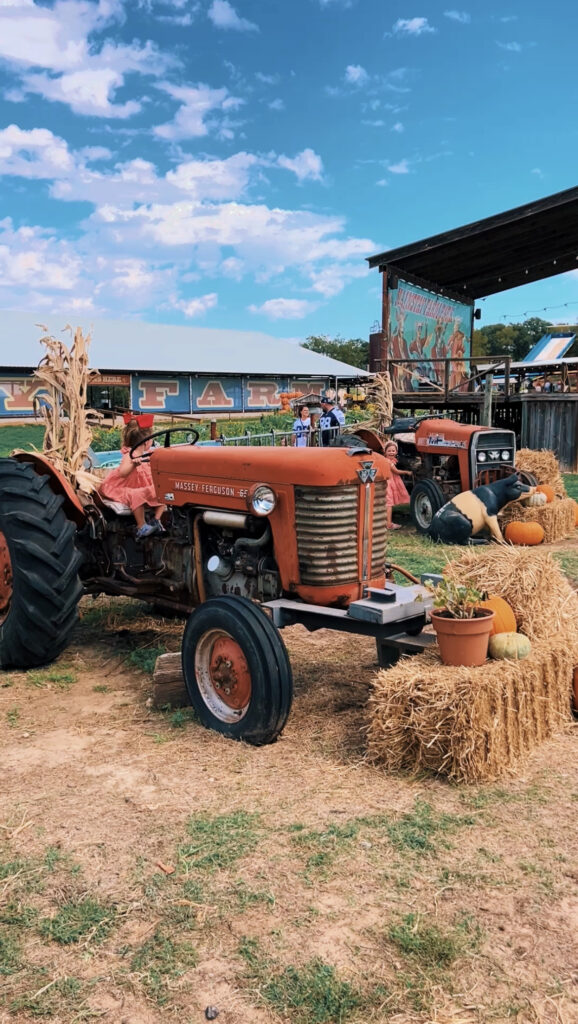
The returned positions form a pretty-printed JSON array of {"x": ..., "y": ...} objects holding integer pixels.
[
  {"x": 427, "y": 498},
  {"x": 39, "y": 584},
  {"x": 236, "y": 670}
]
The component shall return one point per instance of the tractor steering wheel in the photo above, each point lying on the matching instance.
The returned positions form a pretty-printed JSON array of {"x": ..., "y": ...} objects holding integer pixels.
[{"x": 167, "y": 436}]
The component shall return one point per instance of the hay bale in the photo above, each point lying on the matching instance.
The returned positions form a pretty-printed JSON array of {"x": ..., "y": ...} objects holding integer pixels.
[
  {"x": 543, "y": 464},
  {"x": 557, "y": 517},
  {"x": 468, "y": 724}
]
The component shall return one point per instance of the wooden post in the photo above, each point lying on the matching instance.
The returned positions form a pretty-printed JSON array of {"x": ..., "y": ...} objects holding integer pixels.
[
  {"x": 213, "y": 430},
  {"x": 487, "y": 407},
  {"x": 446, "y": 379},
  {"x": 168, "y": 683}
]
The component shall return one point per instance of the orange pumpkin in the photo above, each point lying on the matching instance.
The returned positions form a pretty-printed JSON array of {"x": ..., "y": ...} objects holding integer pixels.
[
  {"x": 504, "y": 618},
  {"x": 547, "y": 490},
  {"x": 524, "y": 533}
]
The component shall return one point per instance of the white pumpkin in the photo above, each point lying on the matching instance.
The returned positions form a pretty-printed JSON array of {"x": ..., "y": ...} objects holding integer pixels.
[
  {"x": 535, "y": 500},
  {"x": 512, "y": 646}
]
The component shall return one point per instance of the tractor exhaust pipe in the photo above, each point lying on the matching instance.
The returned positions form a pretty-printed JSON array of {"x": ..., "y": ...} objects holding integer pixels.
[{"x": 228, "y": 520}]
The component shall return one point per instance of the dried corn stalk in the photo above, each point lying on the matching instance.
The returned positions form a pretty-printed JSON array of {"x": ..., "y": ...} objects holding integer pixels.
[
  {"x": 380, "y": 398},
  {"x": 64, "y": 373}
]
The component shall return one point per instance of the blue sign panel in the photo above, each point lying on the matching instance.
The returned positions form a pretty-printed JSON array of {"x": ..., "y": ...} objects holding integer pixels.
[
  {"x": 157, "y": 393},
  {"x": 217, "y": 394},
  {"x": 18, "y": 395}
]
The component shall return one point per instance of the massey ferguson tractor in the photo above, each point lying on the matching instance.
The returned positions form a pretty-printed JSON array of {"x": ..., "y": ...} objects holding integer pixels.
[
  {"x": 256, "y": 539},
  {"x": 445, "y": 458}
]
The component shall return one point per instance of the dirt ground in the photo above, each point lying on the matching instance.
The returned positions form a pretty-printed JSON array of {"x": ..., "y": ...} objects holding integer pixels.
[{"x": 150, "y": 869}]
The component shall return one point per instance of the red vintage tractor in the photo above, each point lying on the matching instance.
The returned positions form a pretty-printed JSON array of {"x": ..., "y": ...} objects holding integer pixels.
[
  {"x": 256, "y": 539},
  {"x": 445, "y": 458}
]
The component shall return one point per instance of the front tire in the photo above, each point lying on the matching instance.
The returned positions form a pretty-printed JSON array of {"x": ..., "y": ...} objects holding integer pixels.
[
  {"x": 426, "y": 499},
  {"x": 39, "y": 584},
  {"x": 236, "y": 670}
]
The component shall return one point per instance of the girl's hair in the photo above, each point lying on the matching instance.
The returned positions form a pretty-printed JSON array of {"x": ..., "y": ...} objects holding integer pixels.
[
  {"x": 390, "y": 444},
  {"x": 133, "y": 434}
]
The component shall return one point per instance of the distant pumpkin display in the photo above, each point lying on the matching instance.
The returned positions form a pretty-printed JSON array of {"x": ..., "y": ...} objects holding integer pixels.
[
  {"x": 504, "y": 618},
  {"x": 547, "y": 490},
  {"x": 524, "y": 533},
  {"x": 512, "y": 646}
]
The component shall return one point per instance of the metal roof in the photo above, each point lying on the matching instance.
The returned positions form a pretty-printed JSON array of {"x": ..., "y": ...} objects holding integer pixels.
[
  {"x": 133, "y": 346},
  {"x": 525, "y": 244}
]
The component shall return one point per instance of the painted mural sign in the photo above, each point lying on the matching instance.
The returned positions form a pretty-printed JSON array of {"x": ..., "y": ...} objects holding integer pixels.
[
  {"x": 426, "y": 326},
  {"x": 160, "y": 394},
  {"x": 18, "y": 395}
]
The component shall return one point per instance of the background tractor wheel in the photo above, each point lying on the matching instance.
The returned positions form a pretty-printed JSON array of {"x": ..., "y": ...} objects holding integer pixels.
[
  {"x": 39, "y": 584},
  {"x": 426, "y": 499},
  {"x": 236, "y": 670}
]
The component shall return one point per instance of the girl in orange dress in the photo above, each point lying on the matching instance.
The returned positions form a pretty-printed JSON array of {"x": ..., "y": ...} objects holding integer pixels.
[
  {"x": 131, "y": 483},
  {"x": 397, "y": 493}
]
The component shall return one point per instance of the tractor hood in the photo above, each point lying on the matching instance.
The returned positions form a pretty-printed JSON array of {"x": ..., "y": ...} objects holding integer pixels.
[{"x": 198, "y": 473}]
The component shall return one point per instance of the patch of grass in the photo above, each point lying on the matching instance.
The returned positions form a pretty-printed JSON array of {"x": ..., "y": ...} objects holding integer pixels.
[
  {"x": 10, "y": 953},
  {"x": 217, "y": 842},
  {"x": 145, "y": 658},
  {"x": 48, "y": 997},
  {"x": 17, "y": 915},
  {"x": 161, "y": 959},
  {"x": 568, "y": 561},
  {"x": 247, "y": 897},
  {"x": 311, "y": 994},
  {"x": 13, "y": 717},
  {"x": 433, "y": 947},
  {"x": 111, "y": 614},
  {"x": 85, "y": 919},
  {"x": 418, "y": 554},
  {"x": 179, "y": 718},
  {"x": 26, "y": 436},
  {"x": 325, "y": 845},
  {"x": 101, "y": 689},
  {"x": 62, "y": 678},
  {"x": 571, "y": 484},
  {"x": 421, "y": 830}
]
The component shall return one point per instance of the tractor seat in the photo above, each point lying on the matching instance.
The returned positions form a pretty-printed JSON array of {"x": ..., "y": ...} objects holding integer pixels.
[{"x": 108, "y": 505}]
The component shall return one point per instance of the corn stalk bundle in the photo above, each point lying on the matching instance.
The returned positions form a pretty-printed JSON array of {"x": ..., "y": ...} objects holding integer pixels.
[
  {"x": 65, "y": 375},
  {"x": 380, "y": 397},
  {"x": 543, "y": 464}
]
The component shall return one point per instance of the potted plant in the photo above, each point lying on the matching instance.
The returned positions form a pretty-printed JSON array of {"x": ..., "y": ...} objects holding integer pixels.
[{"x": 463, "y": 627}]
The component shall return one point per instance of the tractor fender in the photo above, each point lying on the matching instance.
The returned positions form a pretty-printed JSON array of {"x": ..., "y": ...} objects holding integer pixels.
[{"x": 59, "y": 484}]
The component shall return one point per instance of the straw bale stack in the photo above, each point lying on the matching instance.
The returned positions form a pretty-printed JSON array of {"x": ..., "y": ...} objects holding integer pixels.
[
  {"x": 543, "y": 464},
  {"x": 472, "y": 724},
  {"x": 556, "y": 517},
  {"x": 468, "y": 724}
]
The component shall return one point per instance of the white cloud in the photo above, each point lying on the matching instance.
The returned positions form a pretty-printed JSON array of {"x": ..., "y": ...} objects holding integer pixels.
[
  {"x": 511, "y": 47},
  {"x": 284, "y": 309},
  {"x": 461, "y": 16},
  {"x": 85, "y": 92},
  {"x": 402, "y": 167},
  {"x": 330, "y": 281},
  {"x": 267, "y": 79},
  {"x": 197, "y": 306},
  {"x": 196, "y": 103},
  {"x": 356, "y": 75},
  {"x": 31, "y": 257},
  {"x": 412, "y": 26},
  {"x": 277, "y": 104},
  {"x": 224, "y": 15},
  {"x": 77, "y": 70},
  {"x": 374, "y": 124},
  {"x": 382, "y": 182},
  {"x": 306, "y": 165},
  {"x": 398, "y": 127},
  {"x": 33, "y": 154},
  {"x": 215, "y": 179},
  {"x": 537, "y": 171}
]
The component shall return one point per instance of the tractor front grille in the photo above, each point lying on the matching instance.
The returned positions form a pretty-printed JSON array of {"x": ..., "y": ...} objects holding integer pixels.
[
  {"x": 379, "y": 532},
  {"x": 327, "y": 522}
]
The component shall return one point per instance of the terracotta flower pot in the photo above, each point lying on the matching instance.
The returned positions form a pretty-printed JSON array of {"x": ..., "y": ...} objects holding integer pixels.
[{"x": 463, "y": 641}]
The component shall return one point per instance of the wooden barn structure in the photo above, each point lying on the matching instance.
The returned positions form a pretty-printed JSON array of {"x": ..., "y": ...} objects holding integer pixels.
[{"x": 429, "y": 290}]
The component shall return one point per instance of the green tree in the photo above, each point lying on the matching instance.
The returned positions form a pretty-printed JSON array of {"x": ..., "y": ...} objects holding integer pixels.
[
  {"x": 353, "y": 351},
  {"x": 514, "y": 340}
]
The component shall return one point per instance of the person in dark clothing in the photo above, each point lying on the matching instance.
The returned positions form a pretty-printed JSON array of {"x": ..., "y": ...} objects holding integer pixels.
[{"x": 331, "y": 422}]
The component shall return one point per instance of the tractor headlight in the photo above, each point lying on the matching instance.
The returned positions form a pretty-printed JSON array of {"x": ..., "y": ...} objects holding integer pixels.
[
  {"x": 262, "y": 500},
  {"x": 506, "y": 454},
  {"x": 482, "y": 456}
]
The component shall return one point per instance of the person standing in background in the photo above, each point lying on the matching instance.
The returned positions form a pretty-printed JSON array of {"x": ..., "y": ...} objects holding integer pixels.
[
  {"x": 330, "y": 422},
  {"x": 301, "y": 428}
]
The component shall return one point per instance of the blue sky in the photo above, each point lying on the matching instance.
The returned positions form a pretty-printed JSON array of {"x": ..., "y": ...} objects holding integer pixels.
[{"x": 231, "y": 164}]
